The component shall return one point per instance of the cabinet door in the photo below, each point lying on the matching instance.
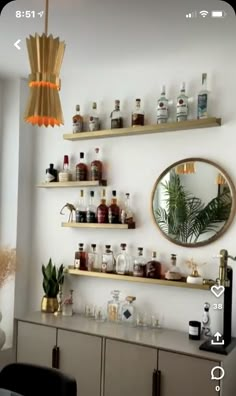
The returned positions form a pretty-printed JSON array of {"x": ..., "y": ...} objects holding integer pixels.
[
  {"x": 128, "y": 369},
  {"x": 80, "y": 355},
  {"x": 185, "y": 375},
  {"x": 35, "y": 343}
]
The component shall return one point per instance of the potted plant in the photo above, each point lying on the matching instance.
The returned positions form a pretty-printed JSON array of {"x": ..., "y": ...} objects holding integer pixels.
[{"x": 53, "y": 278}]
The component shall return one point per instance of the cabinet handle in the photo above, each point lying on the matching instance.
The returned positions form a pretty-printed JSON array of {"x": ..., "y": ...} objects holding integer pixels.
[
  {"x": 154, "y": 383},
  {"x": 54, "y": 357},
  {"x": 158, "y": 382},
  {"x": 57, "y": 357}
]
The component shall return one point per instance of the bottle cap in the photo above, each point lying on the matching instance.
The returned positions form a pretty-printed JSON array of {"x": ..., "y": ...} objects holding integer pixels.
[
  {"x": 107, "y": 246},
  {"x": 123, "y": 245},
  {"x": 182, "y": 86},
  {"x": 127, "y": 195},
  {"x": 117, "y": 102},
  {"x": 66, "y": 159},
  {"x": 130, "y": 298},
  {"x": 77, "y": 108},
  {"x": 93, "y": 245},
  {"x": 94, "y": 106},
  {"x": 154, "y": 254},
  {"x": 81, "y": 155},
  {"x": 81, "y": 193},
  {"x": 91, "y": 193},
  {"x": 140, "y": 248},
  {"x": 163, "y": 89},
  {"x": 138, "y": 100},
  {"x": 114, "y": 193},
  {"x": 51, "y": 166},
  {"x": 81, "y": 245},
  {"x": 103, "y": 193},
  {"x": 96, "y": 150}
]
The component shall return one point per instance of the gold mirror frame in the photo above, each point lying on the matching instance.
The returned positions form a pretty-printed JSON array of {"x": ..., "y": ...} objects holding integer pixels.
[{"x": 227, "y": 222}]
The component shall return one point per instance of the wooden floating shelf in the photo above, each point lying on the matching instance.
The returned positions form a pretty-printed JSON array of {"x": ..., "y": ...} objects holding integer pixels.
[
  {"x": 88, "y": 183},
  {"x": 98, "y": 225},
  {"x": 162, "y": 282},
  {"x": 146, "y": 129}
]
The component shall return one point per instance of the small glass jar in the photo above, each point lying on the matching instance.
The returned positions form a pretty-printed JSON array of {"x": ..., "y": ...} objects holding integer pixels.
[
  {"x": 113, "y": 307},
  {"x": 174, "y": 272},
  {"x": 128, "y": 310},
  {"x": 139, "y": 268},
  {"x": 67, "y": 309}
]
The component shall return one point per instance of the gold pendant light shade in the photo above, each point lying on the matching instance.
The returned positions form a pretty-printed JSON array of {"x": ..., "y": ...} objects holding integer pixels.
[{"x": 45, "y": 57}]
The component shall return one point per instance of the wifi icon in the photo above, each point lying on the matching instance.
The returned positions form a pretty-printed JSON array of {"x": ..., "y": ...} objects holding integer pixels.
[{"x": 203, "y": 13}]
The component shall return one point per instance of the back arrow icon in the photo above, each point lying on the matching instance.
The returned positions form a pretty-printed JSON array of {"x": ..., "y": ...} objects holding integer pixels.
[{"x": 16, "y": 44}]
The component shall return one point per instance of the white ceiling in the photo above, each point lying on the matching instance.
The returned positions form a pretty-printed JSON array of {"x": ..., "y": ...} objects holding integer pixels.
[{"x": 99, "y": 31}]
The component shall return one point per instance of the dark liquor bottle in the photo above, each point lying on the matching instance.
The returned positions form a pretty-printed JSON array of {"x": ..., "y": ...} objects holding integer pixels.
[
  {"x": 114, "y": 210},
  {"x": 91, "y": 210},
  {"x": 102, "y": 209},
  {"x": 153, "y": 267},
  {"x": 96, "y": 167},
  {"x": 116, "y": 117},
  {"x": 51, "y": 174},
  {"x": 80, "y": 213},
  {"x": 81, "y": 169},
  {"x": 137, "y": 115},
  {"x": 81, "y": 258}
]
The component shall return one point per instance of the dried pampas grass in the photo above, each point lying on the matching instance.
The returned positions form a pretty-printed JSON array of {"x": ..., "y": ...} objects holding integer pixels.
[{"x": 7, "y": 263}]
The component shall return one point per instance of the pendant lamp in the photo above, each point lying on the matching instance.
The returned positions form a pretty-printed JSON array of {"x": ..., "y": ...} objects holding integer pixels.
[
  {"x": 45, "y": 58},
  {"x": 185, "y": 168}
]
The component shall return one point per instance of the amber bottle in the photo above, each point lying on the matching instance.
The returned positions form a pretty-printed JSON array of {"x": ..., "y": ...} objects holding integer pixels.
[
  {"x": 81, "y": 258},
  {"x": 102, "y": 209},
  {"x": 81, "y": 169},
  {"x": 96, "y": 167},
  {"x": 153, "y": 267},
  {"x": 114, "y": 210}
]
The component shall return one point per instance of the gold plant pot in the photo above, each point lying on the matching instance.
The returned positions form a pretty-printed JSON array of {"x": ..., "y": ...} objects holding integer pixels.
[{"x": 49, "y": 305}]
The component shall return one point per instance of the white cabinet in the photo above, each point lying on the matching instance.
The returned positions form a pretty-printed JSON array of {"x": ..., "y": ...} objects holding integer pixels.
[{"x": 128, "y": 369}]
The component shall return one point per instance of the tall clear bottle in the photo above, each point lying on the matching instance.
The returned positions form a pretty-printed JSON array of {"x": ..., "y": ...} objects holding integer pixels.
[
  {"x": 102, "y": 209},
  {"x": 113, "y": 307},
  {"x": 114, "y": 210},
  {"x": 93, "y": 260},
  {"x": 77, "y": 121},
  {"x": 138, "y": 114},
  {"x": 162, "y": 107},
  {"x": 128, "y": 310},
  {"x": 116, "y": 116},
  {"x": 65, "y": 174},
  {"x": 182, "y": 104},
  {"x": 123, "y": 261},
  {"x": 80, "y": 213},
  {"x": 91, "y": 209},
  {"x": 81, "y": 169},
  {"x": 94, "y": 122},
  {"x": 202, "y": 99},
  {"x": 96, "y": 166},
  {"x": 127, "y": 216},
  {"x": 108, "y": 260},
  {"x": 139, "y": 268}
]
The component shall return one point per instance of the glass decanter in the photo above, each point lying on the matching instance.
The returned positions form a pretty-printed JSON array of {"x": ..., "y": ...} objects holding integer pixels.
[
  {"x": 123, "y": 260},
  {"x": 113, "y": 307},
  {"x": 174, "y": 272},
  {"x": 128, "y": 310},
  {"x": 139, "y": 268},
  {"x": 93, "y": 264},
  {"x": 108, "y": 260}
]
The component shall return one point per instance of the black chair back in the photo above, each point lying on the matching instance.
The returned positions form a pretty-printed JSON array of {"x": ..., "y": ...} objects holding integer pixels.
[{"x": 35, "y": 380}]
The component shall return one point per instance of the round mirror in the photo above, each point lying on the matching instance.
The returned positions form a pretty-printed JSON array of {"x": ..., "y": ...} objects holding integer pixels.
[{"x": 193, "y": 202}]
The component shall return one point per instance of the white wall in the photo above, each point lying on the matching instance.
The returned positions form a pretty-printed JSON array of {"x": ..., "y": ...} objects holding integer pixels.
[{"x": 134, "y": 163}]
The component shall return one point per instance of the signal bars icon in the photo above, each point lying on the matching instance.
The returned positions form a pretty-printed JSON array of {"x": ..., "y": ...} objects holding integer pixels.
[{"x": 192, "y": 14}]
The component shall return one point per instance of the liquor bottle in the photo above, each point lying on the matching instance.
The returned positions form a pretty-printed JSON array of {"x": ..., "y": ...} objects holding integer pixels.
[
  {"x": 94, "y": 122},
  {"x": 116, "y": 116},
  {"x": 128, "y": 310},
  {"x": 80, "y": 213},
  {"x": 114, "y": 210},
  {"x": 65, "y": 175},
  {"x": 77, "y": 120},
  {"x": 139, "y": 268},
  {"x": 182, "y": 105},
  {"x": 127, "y": 216},
  {"x": 81, "y": 169},
  {"x": 113, "y": 307},
  {"x": 51, "y": 174},
  {"x": 174, "y": 272},
  {"x": 93, "y": 264},
  {"x": 153, "y": 267},
  {"x": 102, "y": 209},
  {"x": 91, "y": 209},
  {"x": 137, "y": 115},
  {"x": 202, "y": 99},
  {"x": 96, "y": 167},
  {"x": 162, "y": 107},
  {"x": 108, "y": 260},
  {"x": 81, "y": 258},
  {"x": 123, "y": 261}
]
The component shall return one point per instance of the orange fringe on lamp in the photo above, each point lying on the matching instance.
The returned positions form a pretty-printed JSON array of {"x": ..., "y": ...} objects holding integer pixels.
[{"x": 185, "y": 168}]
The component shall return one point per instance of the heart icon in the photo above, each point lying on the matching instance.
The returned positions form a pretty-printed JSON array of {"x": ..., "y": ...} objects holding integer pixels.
[{"x": 217, "y": 290}]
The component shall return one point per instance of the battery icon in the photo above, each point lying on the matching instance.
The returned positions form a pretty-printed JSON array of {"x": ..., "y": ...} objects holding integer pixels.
[{"x": 218, "y": 14}]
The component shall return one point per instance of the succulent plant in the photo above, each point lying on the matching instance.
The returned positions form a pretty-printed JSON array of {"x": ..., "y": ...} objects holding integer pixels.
[{"x": 52, "y": 278}]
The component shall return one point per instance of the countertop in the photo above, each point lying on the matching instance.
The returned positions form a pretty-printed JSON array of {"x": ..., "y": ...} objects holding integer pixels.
[{"x": 165, "y": 339}]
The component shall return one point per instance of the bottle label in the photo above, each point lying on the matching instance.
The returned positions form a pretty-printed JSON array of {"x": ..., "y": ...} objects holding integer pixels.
[
  {"x": 64, "y": 176},
  {"x": 91, "y": 217},
  {"x": 138, "y": 270},
  {"x": 77, "y": 263},
  {"x": 181, "y": 110},
  {"x": 102, "y": 215},
  {"x": 194, "y": 331},
  {"x": 162, "y": 111},
  {"x": 49, "y": 178},
  {"x": 127, "y": 314},
  {"x": 94, "y": 124},
  {"x": 137, "y": 119},
  {"x": 95, "y": 172},
  {"x": 202, "y": 106},
  {"x": 116, "y": 123},
  {"x": 80, "y": 216},
  {"x": 77, "y": 126},
  {"x": 80, "y": 174}
]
